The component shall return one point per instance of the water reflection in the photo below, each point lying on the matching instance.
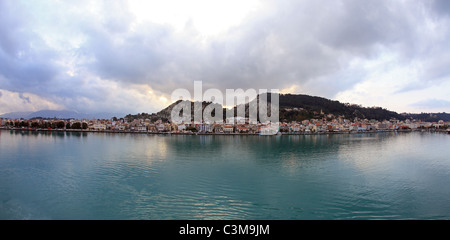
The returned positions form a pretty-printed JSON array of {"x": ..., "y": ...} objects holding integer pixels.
[{"x": 75, "y": 175}]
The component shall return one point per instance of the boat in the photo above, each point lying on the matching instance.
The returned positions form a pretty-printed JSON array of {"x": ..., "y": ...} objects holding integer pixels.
[{"x": 448, "y": 130}]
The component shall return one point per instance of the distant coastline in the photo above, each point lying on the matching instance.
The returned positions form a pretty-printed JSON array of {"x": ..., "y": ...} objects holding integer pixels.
[{"x": 220, "y": 134}]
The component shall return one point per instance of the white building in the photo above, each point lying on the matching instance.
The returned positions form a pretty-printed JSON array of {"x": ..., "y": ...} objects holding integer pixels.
[
  {"x": 160, "y": 127},
  {"x": 99, "y": 126},
  {"x": 142, "y": 128},
  {"x": 206, "y": 127},
  {"x": 181, "y": 127}
]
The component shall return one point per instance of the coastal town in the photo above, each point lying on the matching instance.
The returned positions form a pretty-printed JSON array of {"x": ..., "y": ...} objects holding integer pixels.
[{"x": 328, "y": 124}]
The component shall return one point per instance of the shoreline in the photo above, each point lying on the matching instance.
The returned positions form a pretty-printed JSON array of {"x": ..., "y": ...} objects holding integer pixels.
[{"x": 221, "y": 134}]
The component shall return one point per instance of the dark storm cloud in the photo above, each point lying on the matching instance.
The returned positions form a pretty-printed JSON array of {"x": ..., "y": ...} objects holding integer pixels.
[
  {"x": 26, "y": 62},
  {"x": 30, "y": 61},
  {"x": 441, "y": 6},
  {"x": 128, "y": 58},
  {"x": 296, "y": 43},
  {"x": 271, "y": 51},
  {"x": 10, "y": 27},
  {"x": 299, "y": 42}
]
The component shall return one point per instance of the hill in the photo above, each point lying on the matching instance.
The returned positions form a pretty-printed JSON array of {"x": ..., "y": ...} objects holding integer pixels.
[
  {"x": 16, "y": 115},
  {"x": 428, "y": 117},
  {"x": 296, "y": 107},
  {"x": 165, "y": 114},
  {"x": 311, "y": 107}
]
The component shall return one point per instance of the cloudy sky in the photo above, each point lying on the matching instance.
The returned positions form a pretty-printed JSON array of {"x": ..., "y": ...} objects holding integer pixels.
[{"x": 129, "y": 56}]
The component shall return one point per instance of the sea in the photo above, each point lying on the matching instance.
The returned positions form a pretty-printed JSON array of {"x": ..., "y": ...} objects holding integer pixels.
[{"x": 126, "y": 176}]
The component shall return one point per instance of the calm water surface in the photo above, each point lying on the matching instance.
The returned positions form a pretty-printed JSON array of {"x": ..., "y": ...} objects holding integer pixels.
[{"x": 133, "y": 176}]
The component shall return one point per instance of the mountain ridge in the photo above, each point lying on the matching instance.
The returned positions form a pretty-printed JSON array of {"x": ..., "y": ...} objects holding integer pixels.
[{"x": 59, "y": 114}]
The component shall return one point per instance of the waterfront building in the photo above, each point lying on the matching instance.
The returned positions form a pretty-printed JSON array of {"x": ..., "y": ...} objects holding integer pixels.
[
  {"x": 228, "y": 128},
  {"x": 252, "y": 128},
  {"x": 151, "y": 128},
  {"x": 169, "y": 127},
  {"x": 331, "y": 128},
  {"x": 181, "y": 127},
  {"x": 381, "y": 126},
  {"x": 295, "y": 128},
  {"x": 218, "y": 128},
  {"x": 142, "y": 128},
  {"x": 370, "y": 127},
  {"x": 285, "y": 128},
  {"x": 318, "y": 128},
  {"x": 307, "y": 129},
  {"x": 160, "y": 127},
  {"x": 99, "y": 127},
  {"x": 243, "y": 129},
  {"x": 361, "y": 129},
  {"x": 206, "y": 127}
]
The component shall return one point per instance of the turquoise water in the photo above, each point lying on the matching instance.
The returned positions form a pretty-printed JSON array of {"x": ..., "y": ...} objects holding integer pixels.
[{"x": 138, "y": 176}]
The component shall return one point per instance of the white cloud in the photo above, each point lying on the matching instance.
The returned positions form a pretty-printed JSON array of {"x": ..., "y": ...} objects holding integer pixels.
[
  {"x": 208, "y": 17},
  {"x": 24, "y": 102}
]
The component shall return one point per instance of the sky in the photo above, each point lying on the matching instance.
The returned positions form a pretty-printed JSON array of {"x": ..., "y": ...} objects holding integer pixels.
[{"x": 129, "y": 56}]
